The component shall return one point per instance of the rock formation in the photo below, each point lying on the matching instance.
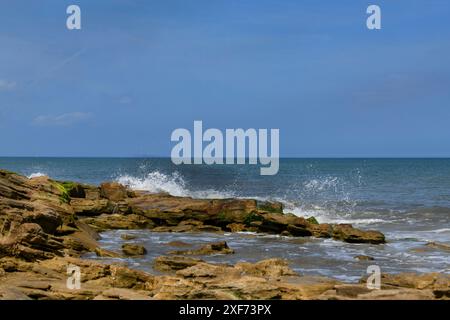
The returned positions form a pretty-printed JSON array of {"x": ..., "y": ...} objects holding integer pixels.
[{"x": 46, "y": 225}]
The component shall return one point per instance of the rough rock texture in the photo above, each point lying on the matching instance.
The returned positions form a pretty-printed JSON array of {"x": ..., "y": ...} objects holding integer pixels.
[
  {"x": 57, "y": 205},
  {"x": 211, "y": 248},
  {"x": 194, "y": 279},
  {"x": 46, "y": 225},
  {"x": 133, "y": 249}
]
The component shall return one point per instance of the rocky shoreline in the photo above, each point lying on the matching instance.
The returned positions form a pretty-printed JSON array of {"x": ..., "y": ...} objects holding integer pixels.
[{"x": 46, "y": 225}]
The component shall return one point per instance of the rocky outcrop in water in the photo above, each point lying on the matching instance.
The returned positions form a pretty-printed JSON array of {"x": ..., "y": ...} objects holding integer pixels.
[
  {"x": 130, "y": 249},
  {"x": 46, "y": 225},
  {"x": 211, "y": 248},
  {"x": 112, "y": 206}
]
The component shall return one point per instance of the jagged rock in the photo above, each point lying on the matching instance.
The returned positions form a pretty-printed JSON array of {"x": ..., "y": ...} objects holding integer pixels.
[
  {"x": 178, "y": 244},
  {"x": 433, "y": 281},
  {"x": 351, "y": 290},
  {"x": 122, "y": 294},
  {"x": 298, "y": 231},
  {"x": 323, "y": 230},
  {"x": 206, "y": 270},
  {"x": 236, "y": 227},
  {"x": 113, "y": 191},
  {"x": 29, "y": 242},
  {"x": 187, "y": 227},
  {"x": 41, "y": 220},
  {"x": 397, "y": 294},
  {"x": 85, "y": 207},
  {"x": 438, "y": 245},
  {"x": 312, "y": 220},
  {"x": 74, "y": 189},
  {"x": 133, "y": 249},
  {"x": 45, "y": 217},
  {"x": 92, "y": 193},
  {"x": 126, "y": 278},
  {"x": 271, "y": 268},
  {"x": 118, "y": 221},
  {"x": 208, "y": 249},
  {"x": 165, "y": 263},
  {"x": 364, "y": 258},
  {"x": 126, "y": 236},
  {"x": 277, "y": 223},
  {"x": 347, "y": 233},
  {"x": 106, "y": 253},
  {"x": 270, "y": 206}
]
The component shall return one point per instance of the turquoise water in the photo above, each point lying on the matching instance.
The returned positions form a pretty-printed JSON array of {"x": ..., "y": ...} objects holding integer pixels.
[{"x": 407, "y": 199}]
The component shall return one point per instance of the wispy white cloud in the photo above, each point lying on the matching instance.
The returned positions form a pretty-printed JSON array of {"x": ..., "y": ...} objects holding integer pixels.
[
  {"x": 66, "y": 119},
  {"x": 6, "y": 85}
]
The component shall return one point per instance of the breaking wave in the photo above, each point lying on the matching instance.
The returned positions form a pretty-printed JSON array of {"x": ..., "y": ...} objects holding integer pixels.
[
  {"x": 174, "y": 184},
  {"x": 36, "y": 174},
  {"x": 155, "y": 182}
]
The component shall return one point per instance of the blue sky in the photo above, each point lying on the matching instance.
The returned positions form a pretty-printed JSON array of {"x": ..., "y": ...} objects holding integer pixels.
[{"x": 139, "y": 69}]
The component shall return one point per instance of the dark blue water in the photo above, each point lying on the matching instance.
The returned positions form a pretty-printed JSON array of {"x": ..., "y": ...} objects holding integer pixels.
[{"x": 407, "y": 199}]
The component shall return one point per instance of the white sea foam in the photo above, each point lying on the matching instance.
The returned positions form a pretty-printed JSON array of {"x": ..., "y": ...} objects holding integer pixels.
[
  {"x": 36, "y": 174},
  {"x": 173, "y": 184},
  {"x": 156, "y": 182},
  {"x": 315, "y": 185},
  {"x": 326, "y": 215}
]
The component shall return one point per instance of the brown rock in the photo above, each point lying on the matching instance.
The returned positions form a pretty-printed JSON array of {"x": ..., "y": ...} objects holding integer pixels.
[
  {"x": 118, "y": 221},
  {"x": 298, "y": 231},
  {"x": 126, "y": 236},
  {"x": 113, "y": 191},
  {"x": 208, "y": 270},
  {"x": 351, "y": 290},
  {"x": 48, "y": 219},
  {"x": 28, "y": 241},
  {"x": 122, "y": 294},
  {"x": 106, "y": 253},
  {"x": 347, "y": 233},
  {"x": 236, "y": 227},
  {"x": 85, "y": 207},
  {"x": 271, "y": 268},
  {"x": 364, "y": 258},
  {"x": 133, "y": 249},
  {"x": 323, "y": 230},
  {"x": 178, "y": 244},
  {"x": 439, "y": 246},
  {"x": 165, "y": 263},
  {"x": 220, "y": 247},
  {"x": 270, "y": 206}
]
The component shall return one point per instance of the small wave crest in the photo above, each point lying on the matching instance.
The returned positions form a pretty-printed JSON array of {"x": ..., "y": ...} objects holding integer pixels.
[
  {"x": 174, "y": 184},
  {"x": 36, "y": 174},
  {"x": 328, "y": 215},
  {"x": 155, "y": 182}
]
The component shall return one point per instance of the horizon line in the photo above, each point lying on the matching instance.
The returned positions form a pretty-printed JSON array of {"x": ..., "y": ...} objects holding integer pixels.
[{"x": 286, "y": 157}]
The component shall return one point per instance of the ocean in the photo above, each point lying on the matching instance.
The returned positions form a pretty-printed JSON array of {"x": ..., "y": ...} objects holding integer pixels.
[{"x": 406, "y": 199}]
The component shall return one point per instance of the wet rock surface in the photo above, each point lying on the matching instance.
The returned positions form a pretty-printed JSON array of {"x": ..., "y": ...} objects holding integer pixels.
[
  {"x": 133, "y": 249},
  {"x": 212, "y": 248},
  {"x": 46, "y": 225}
]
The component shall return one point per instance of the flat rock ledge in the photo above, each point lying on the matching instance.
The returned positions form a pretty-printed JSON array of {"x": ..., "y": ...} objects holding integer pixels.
[{"x": 46, "y": 225}]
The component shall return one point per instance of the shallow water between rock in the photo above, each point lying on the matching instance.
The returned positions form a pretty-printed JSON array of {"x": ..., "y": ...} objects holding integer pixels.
[{"x": 309, "y": 256}]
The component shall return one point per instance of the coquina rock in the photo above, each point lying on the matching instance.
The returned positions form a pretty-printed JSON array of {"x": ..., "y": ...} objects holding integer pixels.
[
  {"x": 46, "y": 225},
  {"x": 130, "y": 249},
  {"x": 220, "y": 247}
]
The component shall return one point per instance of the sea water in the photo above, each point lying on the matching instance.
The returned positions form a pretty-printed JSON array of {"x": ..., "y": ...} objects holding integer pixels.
[{"x": 407, "y": 199}]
